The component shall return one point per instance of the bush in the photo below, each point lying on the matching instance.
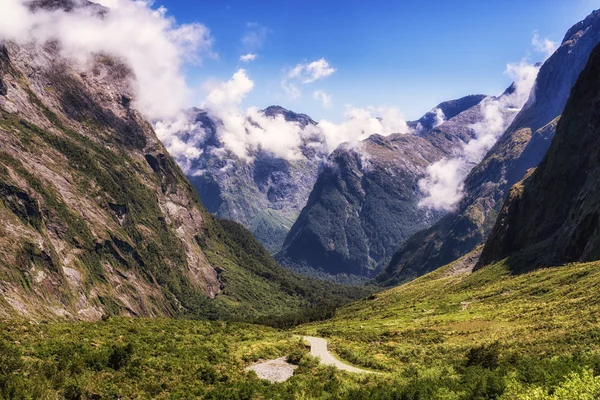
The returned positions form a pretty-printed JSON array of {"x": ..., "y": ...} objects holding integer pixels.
[
  {"x": 120, "y": 356},
  {"x": 485, "y": 356}
]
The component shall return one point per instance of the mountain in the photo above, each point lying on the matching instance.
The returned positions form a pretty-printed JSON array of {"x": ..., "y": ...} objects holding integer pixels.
[
  {"x": 551, "y": 217},
  {"x": 445, "y": 111},
  {"x": 365, "y": 201},
  {"x": 265, "y": 193},
  {"x": 97, "y": 218},
  {"x": 521, "y": 147}
]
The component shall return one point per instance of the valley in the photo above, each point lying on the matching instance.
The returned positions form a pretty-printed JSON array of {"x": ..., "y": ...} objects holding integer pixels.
[{"x": 155, "y": 249}]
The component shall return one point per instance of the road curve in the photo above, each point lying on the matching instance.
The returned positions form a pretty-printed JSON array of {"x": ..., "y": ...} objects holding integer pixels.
[{"x": 318, "y": 348}]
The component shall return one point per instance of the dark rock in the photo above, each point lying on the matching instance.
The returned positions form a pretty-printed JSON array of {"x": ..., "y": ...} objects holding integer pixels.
[{"x": 552, "y": 217}]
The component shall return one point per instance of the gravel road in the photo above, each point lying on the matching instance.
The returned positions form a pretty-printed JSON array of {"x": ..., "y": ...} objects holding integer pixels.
[{"x": 318, "y": 348}]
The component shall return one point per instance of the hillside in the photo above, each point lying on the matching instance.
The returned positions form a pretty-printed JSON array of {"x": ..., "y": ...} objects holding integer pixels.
[
  {"x": 551, "y": 218},
  {"x": 99, "y": 220},
  {"x": 522, "y": 147},
  {"x": 447, "y": 335},
  {"x": 487, "y": 334}
]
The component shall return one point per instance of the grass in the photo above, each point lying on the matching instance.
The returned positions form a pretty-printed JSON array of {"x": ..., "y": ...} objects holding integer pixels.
[
  {"x": 537, "y": 328},
  {"x": 486, "y": 335}
]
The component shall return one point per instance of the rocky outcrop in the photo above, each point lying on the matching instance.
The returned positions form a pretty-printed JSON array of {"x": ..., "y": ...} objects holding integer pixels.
[
  {"x": 521, "y": 147},
  {"x": 445, "y": 111},
  {"x": 552, "y": 217}
]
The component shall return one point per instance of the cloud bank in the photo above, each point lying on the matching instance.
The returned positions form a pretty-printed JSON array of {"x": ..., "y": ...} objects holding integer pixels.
[
  {"x": 244, "y": 131},
  {"x": 443, "y": 186},
  {"x": 151, "y": 43}
]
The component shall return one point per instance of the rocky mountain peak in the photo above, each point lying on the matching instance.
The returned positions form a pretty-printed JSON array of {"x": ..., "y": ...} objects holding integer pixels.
[
  {"x": 66, "y": 5},
  {"x": 289, "y": 116}
]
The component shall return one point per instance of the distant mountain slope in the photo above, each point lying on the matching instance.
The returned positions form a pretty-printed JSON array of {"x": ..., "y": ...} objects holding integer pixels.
[
  {"x": 365, "y": 201},
  {"x": 445, "y": 111},
  {"x": 520, "y": 148},
  {"x": 264, "y": 193},
  {"x": 552, "y": 217},
  {"x": 98, "y": 219}
]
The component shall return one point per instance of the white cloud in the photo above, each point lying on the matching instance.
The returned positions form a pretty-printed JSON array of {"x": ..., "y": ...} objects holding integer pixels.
[
  {"x": 439, "y": 117},
  {"x": 291, "y": 90},
  {"x": 361, "y": 123},
  {"x": 308, "y": 73},
  {"x": 186, "y": 149},
  {"x": 151, "y": 43},
  {"x": 323, "y": 97},
  {"x": 443, "y": 184},
  {"x": 545, "y": 45},
  {"x": 254, "y": 36},
  {"x": 305, "y": 73},
  {"x": 248, "y": 57},
  {"x": 242, "y": 131}
]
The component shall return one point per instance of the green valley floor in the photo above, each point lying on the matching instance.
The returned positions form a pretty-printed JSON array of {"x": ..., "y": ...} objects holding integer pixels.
[{"x": 484, "y": 335}]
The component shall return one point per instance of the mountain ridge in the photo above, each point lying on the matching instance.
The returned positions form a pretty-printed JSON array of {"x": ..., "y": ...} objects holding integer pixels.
[{"x": 520, "y": 148}]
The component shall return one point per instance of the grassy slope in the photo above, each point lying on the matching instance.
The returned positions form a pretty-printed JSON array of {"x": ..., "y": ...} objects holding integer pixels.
[
  {"x": 256, "y": 286},
  {"x": 472, "y": 336},
  {"x": 545, "y": 324}
]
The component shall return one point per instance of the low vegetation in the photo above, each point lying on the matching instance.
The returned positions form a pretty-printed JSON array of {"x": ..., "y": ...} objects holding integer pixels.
[
  {"x": 478, "y": 336},
  {"x": 486, "y": 335}
]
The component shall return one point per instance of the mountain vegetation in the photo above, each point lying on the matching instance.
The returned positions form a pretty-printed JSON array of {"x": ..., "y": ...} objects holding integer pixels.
[
  {"x": 366, "y": 199},
  {"x": 265, "y": 193},
  {"x": 551, "y": 217}
]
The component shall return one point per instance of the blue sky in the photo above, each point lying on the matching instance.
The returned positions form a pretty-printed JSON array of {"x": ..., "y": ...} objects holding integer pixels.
[{"x": 410, "y": 55}]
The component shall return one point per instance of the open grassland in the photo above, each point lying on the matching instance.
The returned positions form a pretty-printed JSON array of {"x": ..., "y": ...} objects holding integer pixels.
[
  {"x": 481, "y": 335},
  {"x": 484, "y": 335}
]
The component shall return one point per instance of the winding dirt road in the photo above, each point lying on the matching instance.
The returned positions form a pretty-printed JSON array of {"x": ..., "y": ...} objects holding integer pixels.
[{"x": 318, "y": 348}]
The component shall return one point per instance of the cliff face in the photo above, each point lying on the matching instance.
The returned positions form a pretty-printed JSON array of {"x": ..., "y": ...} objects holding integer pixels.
[
  {"x": 96, "y": 216},
  {"x": 98, "y": 219},
  {"x": 521, "y": 147},
  {"x": 551, "y": 218}
]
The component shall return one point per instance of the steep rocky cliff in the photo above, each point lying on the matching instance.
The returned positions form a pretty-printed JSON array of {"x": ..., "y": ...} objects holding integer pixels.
[
  {"x": 98, "y": 219},
  {"x": 552, "y": 217},
  {"x": 520, "y": 148}
]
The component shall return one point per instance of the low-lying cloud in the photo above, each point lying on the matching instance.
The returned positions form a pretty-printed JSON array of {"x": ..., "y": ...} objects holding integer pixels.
[
  {"x": 151, "y": 43},
  {"x": 444, "y": 183},
  {"x": 243, "y": 131},
  {"x": 545, "y": 45}
]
